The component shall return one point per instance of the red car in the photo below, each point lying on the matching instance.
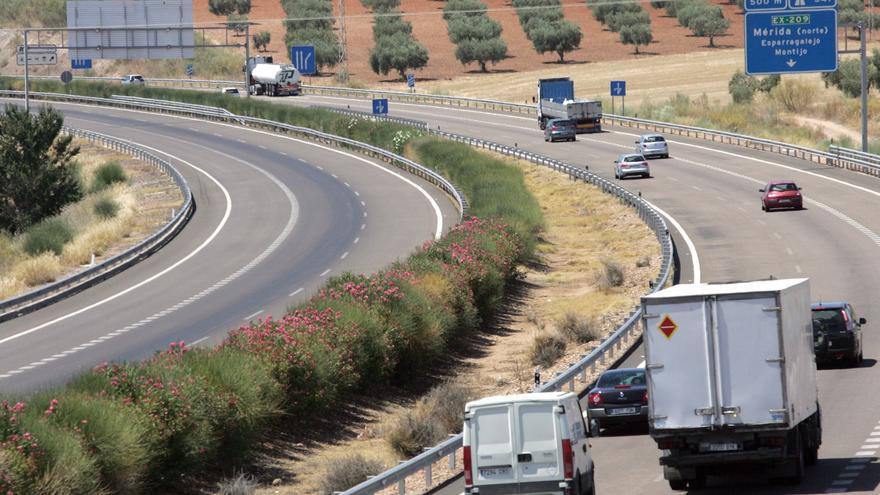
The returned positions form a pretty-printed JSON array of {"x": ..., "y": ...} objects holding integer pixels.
[{"x": 781, "y": 194}]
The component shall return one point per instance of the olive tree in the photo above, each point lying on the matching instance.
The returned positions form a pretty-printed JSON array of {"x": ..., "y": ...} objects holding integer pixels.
[
  {"x": 481, "y": 51},
  {"x": 561, "y": 37},
  {"x": 37, "y": 167},
  {"x": 398, "y": 52},
  {"x": 636, "y": 35}
]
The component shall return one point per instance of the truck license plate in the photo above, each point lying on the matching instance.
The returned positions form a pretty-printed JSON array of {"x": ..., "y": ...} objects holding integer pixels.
[
  {"x": 622, "y": 410},
  {"x": 719, "y": 447},
  {"x": 494, "y": 471}
]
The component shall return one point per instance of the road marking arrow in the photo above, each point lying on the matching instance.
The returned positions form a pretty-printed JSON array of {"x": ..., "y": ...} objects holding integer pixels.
[{"x": 791, "y": 63}]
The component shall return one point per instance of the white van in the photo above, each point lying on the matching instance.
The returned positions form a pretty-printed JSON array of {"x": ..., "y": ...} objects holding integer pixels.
[{"x": 527, "y": 444}]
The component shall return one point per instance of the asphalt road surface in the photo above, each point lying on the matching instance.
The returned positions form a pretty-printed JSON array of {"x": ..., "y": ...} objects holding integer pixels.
[
  {"x": 711, "y": 190},
  {"x": 275, "y": 218}
]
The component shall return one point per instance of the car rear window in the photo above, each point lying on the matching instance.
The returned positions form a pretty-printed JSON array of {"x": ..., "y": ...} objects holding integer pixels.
[
  {"x": 634, "y": 158},
  {"x": 829, "y": 320},
  {"x": 563, "y": 123},
  {"x": 783, "y": 187},
  {"x": 654, "y": 139},
  {"x": 632, "y": 377}
]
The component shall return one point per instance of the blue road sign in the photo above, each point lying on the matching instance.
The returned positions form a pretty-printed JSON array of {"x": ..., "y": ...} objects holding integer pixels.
[
  {"x": 189, "y": 69},
  {"x": 380, "y": 106},
  {"x": 758, "y": 5},
  {"x": 789, "y": 41},
  {"x": 411, "y": 80},
  {"x": 82, "y": 63},
  {"x": 303, "y": 58},
  {"x": 618, "y": 88}
]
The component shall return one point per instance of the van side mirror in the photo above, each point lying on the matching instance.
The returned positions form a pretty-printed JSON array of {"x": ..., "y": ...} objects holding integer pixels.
[
  {"x": 862, "y": 321},
  {"x": 615, "y": 161},
  {"x": 761, "y": 190},
  {"x": 799, "y": 188}
]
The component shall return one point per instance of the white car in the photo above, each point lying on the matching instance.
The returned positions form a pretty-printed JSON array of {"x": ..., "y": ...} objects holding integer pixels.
[
  {"x": 631, "y": 164},
  {"x": 230, "y": 91},
  {"x": 649, "y": 145},
  {"x": 133, "y": 79},
  {"x": 527, "y": 444}
]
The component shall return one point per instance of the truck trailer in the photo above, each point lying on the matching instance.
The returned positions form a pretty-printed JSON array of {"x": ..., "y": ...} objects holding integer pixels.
[
  {"x": 732, "y": 379},
  {"x": 275, "y": 79},
  {"x": 556, "y": 101}
]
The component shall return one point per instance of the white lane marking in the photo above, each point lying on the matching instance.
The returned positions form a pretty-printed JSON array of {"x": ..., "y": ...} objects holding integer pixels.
[
  {"x": 854, "y": 467},
  {"x": 249, "y": 317},
  {"x": 344, "y": 255},
  {"x": 363, "y": 226},
  {"x": 797, "y": 268},
  {"x": 865, "y": 453},
  {"x": 696, "y": 188},
  {"x": 241, "y": 140},
  {"x": 776, "y": 235},
  {"x": 347, "y": 184},
  {"x": 762, "y": 222},
  {"x": 193, "y": 129},
  {"x": 789, "y": 251},
  {"x": 199, "y": 341},
  {"x": 288, "y": 228},
  {"x": 673, "y": 179},
  {"x": 695, "y": 258},
  {"x": 869, "y": 446},
  {"x": 334, "y": 176},
  {"x": 325, "y": 272},
  {"x": 842, "y": 482},
  {"x": 262, "y": 147},
  {"x": 357, "y": 239},
  {"x": 319, "y": 167},
  {"x": 363, "y": 203},
  {"x": 357, "y": 193},
  {"x": 186, "y": 258},
  {"x": 216, "y": 134},
  {"x": 872, "y": 439},
  {"x": 875, "y": 433},
  {"x": 365, "y": 214},
  {"x": 283, "y": 153},
  {"x": 848, "y": 475},
  {"x": 297, "y": 291}
]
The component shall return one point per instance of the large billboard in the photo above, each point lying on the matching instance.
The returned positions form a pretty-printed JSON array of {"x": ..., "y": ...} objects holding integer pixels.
[{"x": 127, "y": 29}]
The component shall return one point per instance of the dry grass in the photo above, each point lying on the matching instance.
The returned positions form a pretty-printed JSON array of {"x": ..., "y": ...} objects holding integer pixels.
[{"x": 144, "y": 205}]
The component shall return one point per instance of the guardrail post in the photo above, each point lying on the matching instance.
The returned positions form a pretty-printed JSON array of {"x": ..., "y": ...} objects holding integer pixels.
[{"x": 401, "y": 487}]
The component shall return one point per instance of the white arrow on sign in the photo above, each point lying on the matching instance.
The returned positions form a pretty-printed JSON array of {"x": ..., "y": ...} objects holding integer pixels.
[{"x": 791, "y": 63}]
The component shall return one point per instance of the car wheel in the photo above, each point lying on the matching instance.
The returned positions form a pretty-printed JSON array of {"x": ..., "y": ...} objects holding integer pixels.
[
  {"x": 679, "y": 485},
  {"x": 647, "y": 176},
  {"x": 666, "y": 155},
  {"x": 699, "y": 482}
]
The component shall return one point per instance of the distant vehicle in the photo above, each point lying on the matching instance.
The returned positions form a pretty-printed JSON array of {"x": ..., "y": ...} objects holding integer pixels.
[
  {"x": 837, "y": 332},
  {"x": 631, "y": 164},
  {"x": 230, "y": 91},
  {"x": 781, "y": 194},
  {"x": 560, "y": 129},
  {"x": 620, "y": 396},
  {"x": 556, "y": 101},
  {"x": 275, "y": 80},
  {"x": 133, "y": 79},
  {"x": 527, "y": 444},
  {"x": 732, "y": 380},
  {"x": 649, "y": 145}
]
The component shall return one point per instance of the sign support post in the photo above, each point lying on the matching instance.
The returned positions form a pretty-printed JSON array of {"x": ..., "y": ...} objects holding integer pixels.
[
  {"x": 863, "y": 55},
  {"x": 27, "y": 92}
]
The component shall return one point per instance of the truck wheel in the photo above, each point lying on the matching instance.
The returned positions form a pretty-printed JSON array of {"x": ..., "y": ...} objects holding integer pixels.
[
  {"x": 679, "y": 485},
  {"x": 699, "y": 482}
]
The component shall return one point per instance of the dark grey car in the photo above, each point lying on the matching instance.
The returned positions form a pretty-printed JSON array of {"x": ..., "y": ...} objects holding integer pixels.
[
  {"x": 620, "y": 396},
  {"x": 560, "y": 129}
]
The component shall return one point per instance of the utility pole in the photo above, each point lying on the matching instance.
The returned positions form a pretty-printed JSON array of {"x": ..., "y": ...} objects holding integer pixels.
[
  {"x": 247, "y": 59},
  {"x": 863, "y": 55},
  {"x": 27, "y": 89},
  {"x": 342, "y": 39}
]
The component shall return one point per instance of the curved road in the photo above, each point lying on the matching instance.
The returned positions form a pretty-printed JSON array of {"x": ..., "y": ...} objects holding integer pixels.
[
  {"x": 276, "y": 216},
  {"x": 711, "y": 190}
]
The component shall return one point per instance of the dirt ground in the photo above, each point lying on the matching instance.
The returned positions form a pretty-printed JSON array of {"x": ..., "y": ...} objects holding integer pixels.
[
  {"x": 429, "y": 28},
  {"x": 584, "y": 228}
]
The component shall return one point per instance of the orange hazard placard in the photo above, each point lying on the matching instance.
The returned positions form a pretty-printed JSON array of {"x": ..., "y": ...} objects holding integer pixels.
[{"x": 667, "y": 327}]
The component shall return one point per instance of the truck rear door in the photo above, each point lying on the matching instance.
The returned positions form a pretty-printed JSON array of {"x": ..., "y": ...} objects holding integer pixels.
[
  {"x": 539, "y": 441},
  {"x": 678, "y": 364},
  {"x": 492, "y": 442},
  {"x": 749, "y": 353}
]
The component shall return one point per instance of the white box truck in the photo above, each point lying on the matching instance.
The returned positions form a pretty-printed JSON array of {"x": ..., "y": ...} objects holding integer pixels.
[
  {"x": 732, "y": 379},
  {"x": 527, "y": 444}
]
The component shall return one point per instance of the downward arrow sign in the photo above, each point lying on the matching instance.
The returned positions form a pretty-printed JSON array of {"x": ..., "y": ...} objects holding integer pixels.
[{"x": 791, "y": 63}]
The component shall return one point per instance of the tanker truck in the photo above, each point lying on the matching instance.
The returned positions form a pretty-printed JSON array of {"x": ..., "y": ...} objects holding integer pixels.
[{"x": 275, "y": 80}]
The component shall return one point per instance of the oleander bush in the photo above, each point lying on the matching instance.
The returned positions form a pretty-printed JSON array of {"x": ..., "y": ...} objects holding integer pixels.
[{"x": 185, "y": 410}]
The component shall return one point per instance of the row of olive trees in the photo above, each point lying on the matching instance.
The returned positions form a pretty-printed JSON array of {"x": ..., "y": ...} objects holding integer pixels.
[
  {"x": 476, "y": 35},
  {"x": 545, "y": 26},
  {"x": 628, "y": 19},
  {"x": 311, "y": 22},
  {"x": 395, "y": 47},
  {"x": 701, "y": 17},
  {"x": 848, "y": 76}
]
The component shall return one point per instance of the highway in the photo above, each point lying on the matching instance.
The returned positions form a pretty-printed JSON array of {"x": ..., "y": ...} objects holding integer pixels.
[
  {"x": 275, "y": 218},
  {"x": 711, "y": 190}
]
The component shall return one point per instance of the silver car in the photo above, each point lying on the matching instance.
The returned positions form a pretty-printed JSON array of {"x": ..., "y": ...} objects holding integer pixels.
[
  {"x": 650, "y": 145},
  {"x": 631, "y": 164}
]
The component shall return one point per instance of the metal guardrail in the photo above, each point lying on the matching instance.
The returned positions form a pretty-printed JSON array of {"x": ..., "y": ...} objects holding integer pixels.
[
  {"x": 418, "y": 124},
  {"x": 429, "y": 99},
  {"x": 169, "y": 83},
  {"x": 177, "y": 108},
  {"x": 170, "y": 103},
  {"x": 578, "y": 370},
  {"x": 43, "y": 296},
  {"x": 851, "y": 154}
]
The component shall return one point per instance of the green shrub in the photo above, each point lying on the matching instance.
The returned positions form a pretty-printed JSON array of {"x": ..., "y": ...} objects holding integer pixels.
[
  {"x": 446, "y": 405},
  {"x": 48, "y": 236},
  {"x": 577, "y": 329},
  {"x": 414, "y": 431},
  {"x": 345, "y": 471},
  {"x": 547, "y": 348},
  {"x": 794, "y": 95},
  {"x": 107, "y": 175},
  {"x": 106, "y": 208}
]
